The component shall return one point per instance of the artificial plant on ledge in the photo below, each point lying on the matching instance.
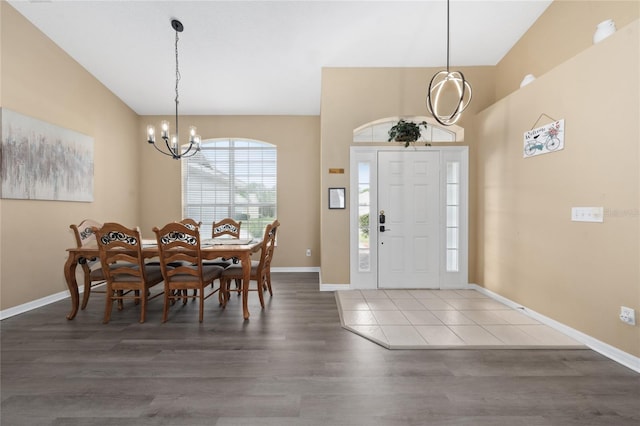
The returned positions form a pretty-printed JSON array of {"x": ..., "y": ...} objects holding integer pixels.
[{"x": 406, "y": 131}]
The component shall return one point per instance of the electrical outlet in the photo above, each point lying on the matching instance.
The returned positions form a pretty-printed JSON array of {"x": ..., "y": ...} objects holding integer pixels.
[
  {"x": 627, "y": 315},
  {"x": 308, "y": 252}
]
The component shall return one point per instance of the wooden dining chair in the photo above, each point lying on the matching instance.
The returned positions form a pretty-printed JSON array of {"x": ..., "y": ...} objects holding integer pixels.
[
  {"x": 231, "y": 228},
  {"x": 178, "y": 244},
  {"x": 93, "y": 275},
  {"x": 190, "y": 223},
  {"x": 226, "y": 227},
  {"x": 124, "y": 267},
  {"x": 260, "y": 269}
]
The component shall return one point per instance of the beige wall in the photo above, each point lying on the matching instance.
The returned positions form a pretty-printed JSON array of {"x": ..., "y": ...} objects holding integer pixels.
[
  {"x": 298, "y": 147},
  {"x": 41, "y": 81},
  {"x": 529, "y": 250},
  {"x": 562, "y": 31},
  {"x": 352, "y": 97}
]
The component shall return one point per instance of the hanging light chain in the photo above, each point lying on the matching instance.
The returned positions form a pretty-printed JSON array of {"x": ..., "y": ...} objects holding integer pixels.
[
  {"x": 173, "y": 147},
  {"x": 177, "y": 81},
  {"x": 447, "y": 36}
]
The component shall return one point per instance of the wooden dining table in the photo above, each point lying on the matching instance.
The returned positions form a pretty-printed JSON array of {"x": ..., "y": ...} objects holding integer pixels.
[{"x": 210, "y": 250}]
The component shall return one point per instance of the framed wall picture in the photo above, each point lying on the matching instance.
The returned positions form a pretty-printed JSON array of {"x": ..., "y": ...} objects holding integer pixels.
[
  {"x": 42, "y": 161},
  {"x": 336, "y": 198}
]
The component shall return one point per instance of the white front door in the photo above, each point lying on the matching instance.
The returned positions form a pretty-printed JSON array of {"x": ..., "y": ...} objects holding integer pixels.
[{"x": 409, "y": 249}]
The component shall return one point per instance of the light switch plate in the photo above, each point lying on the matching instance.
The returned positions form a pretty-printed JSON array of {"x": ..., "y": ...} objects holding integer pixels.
[{"x": 587, "y": 214}]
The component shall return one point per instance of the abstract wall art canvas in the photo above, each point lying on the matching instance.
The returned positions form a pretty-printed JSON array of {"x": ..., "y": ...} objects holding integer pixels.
[{"x": 41, "y": 161}]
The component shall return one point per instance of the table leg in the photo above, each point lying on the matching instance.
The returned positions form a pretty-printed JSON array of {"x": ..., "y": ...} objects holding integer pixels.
[
  {"x": 86, "y": 270},
  {"x": 72, "y": 284},
  {"x": 246, "y": 278}
]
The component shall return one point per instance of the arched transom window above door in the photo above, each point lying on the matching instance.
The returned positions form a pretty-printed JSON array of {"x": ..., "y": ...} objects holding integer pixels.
[{"x": 378, "y": 131}]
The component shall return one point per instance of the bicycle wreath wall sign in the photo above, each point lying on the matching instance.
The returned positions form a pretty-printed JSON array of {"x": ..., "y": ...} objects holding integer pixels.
[{"x": 545, "y": 139}]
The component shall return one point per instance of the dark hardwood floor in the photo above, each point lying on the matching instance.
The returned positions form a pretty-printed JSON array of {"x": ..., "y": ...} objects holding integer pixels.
[{"x": 291, "y": 364}]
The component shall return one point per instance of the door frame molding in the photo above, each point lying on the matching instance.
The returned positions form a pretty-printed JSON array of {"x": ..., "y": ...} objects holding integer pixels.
[{"x": 368, "y": 279}]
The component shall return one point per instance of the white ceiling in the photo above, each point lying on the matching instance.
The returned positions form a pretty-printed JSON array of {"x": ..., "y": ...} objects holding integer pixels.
[{"x": 265, "y": 57}]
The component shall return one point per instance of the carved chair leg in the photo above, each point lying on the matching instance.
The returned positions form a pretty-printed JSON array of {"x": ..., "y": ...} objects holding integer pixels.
[
  {"x": 269, "y": 282},
  {"x": 108, "y": 305},
  {"x": 220, "y": 293},
  {"x": 224, "y": 291},
  {"x": 259, "y": 283},
  {"x": 120, "y": 295},
  {"x": 165, "y": 307},
  {"x": 143, "y": 307},
  {"x": 201, "y": 301}
]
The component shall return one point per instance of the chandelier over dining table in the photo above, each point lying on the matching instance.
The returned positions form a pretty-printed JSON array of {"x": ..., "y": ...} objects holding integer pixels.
[{"x": 172, "y": 145}]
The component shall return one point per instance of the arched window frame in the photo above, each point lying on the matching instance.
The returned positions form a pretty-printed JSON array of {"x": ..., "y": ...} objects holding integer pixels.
[{"x": 378, "y": 131}]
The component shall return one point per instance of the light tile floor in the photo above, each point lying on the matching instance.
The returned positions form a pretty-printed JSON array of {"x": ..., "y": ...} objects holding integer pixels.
[{"x": 439, "y": 319}]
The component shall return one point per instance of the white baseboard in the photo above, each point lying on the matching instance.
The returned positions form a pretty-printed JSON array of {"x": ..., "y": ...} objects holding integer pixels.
[
  {"x": 334, "y": 287},
  {"x": 602, "y": 348},
  {"x": 34, "y": 304}
]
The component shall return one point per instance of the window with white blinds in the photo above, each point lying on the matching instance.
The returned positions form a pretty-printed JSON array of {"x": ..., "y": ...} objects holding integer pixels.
[{"x": 234, "y": 178}]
